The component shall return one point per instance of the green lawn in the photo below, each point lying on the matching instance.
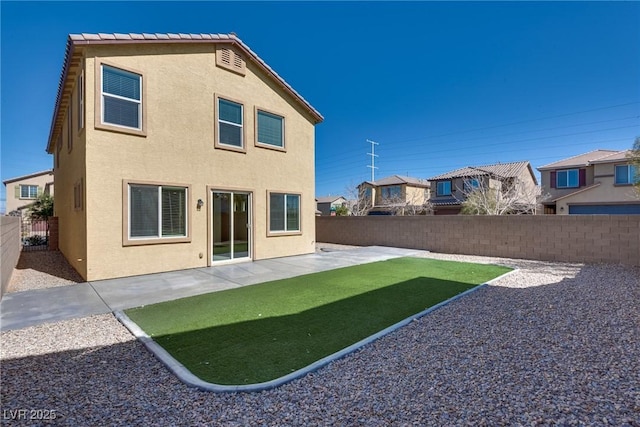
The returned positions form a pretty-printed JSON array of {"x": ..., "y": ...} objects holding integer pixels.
[{"x": 262, "y": 332}]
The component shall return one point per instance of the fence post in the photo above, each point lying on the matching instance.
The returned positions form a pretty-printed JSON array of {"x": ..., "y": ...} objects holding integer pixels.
[{"x": 53, "y": 233}]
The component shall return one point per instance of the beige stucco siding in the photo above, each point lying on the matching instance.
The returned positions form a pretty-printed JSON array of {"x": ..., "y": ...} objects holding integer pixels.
[
  {"x": 180, "y": 84},
  {"x": 69, "y": 170},
  {"x": 415, "y": 195}
]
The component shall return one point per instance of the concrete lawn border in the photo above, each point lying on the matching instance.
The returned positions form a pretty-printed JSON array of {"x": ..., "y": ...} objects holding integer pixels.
[{"x": 192, "y": 380}]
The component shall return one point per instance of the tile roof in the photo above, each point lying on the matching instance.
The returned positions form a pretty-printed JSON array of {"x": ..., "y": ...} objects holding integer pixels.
[
  {"x": 398, "y": 180},
  {"x": 502, "y": 170},
  {"x": 585, "y": 159},
  {"x": 614, "y": 157},
  {"x": 329, "y": 199},
  {"x": 31, "y": 175},
  {"x": 75, "y": 40},
  {"x": 449, "y": 201}
]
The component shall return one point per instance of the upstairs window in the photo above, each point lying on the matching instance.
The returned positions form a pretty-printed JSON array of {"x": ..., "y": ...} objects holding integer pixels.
[
  {"x": 230, "y": 123},
  {"x": 28, "y": 191},
  {"x": 626, "y": 174},
  {"x": 471, "y": 184},
  {"x": 270, "y": 129},
  {"x": 567, "y": 179},
  {"x": 121, "y": 98},
  {"x": 392, "y": 192},
  {"x": 443, "y": 188}
]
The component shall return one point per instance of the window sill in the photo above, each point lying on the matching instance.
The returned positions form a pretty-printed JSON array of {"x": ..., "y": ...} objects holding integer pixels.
[
  {"x": 283, "y": 233},
  {"x": 233, "y": 148},
  {"x": 156, "y": 241},
  {"x": 119, "y": 129},
  {"x": 271, "y": 147}
]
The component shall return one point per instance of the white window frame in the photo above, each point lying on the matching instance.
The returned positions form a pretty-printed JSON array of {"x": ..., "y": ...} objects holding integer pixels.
[
  {"x": 104, "y": 94},
  {"x": 285, "y": 231},
  {"x": 263, "y": 144},
  {"x": 129, "y": 240},
  {"x": 28, "y": 187},
  {"x": 218, "y": 143}
]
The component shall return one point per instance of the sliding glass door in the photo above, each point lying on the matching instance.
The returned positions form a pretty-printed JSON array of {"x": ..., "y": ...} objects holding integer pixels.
[{"x": 231, "y": 225}]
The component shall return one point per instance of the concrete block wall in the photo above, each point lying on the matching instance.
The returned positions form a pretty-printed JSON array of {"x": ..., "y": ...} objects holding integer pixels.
[
  {"x": 567, "y": 238},
  {"x": 9, "y": 248}
]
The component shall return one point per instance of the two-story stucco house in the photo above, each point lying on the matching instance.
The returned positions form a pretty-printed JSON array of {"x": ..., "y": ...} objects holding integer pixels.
[
  {"x": 395, "y": 195},
  {"x": 449, "y": 190},
  {"x": 22, "y": 191},
  {"x": 175, "y": 151},
  {"x": 597, "y": 182},
  {"x": 327, "y": 205}
]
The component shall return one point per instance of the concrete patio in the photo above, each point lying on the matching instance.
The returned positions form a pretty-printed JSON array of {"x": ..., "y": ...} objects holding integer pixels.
[{"x": 27, "y": 308}]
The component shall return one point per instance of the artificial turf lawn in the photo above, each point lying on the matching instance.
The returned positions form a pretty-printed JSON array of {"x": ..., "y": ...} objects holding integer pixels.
[{"x": 262, "y": 332}]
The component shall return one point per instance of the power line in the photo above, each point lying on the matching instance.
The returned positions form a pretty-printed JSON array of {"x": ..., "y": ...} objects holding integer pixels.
[
  {"x": 373, "y": 159},
  {"x": 430, "y": 152},
  {"x": 458, "y": 165},
  {"x": 342, "y": 153},
  {"x": 521, "y": 122}
]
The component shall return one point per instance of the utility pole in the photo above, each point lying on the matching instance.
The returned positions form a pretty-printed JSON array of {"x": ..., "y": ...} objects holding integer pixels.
[{"x": 373, "y": 159}]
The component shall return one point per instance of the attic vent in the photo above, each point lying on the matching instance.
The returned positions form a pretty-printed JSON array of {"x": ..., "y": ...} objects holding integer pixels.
[{"x": 231, "y": 60}]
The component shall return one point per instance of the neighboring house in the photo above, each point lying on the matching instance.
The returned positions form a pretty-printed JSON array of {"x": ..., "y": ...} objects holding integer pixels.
[
  {"x": 175, "y": 151},
  {"x": 327, "y": 205},
  {"x": 395, "y": 195},
  {"x": 23, "y": 190},
  {"x": 597, "y": 182},
  {"x": 449, "y": 190}
]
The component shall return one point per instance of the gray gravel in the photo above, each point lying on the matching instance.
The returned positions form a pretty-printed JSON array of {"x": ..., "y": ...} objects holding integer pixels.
[
  {"x": 42, "y": 269},
  {"x": 553, "y": 344}
]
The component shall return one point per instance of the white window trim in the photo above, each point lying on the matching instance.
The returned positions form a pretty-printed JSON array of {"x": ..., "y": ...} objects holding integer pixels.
[
  {"x": 258, "y": 143},
  {"x": 284, "y": 232},
  {"x": 104, "y": 94},
  {"x": 150, "y": 240},
  {"x": 566, "y": 171},
  {"x": 99, "y": 102},
  {"x": 217, "y": 144},
  {"x": 28, "y": 197}
]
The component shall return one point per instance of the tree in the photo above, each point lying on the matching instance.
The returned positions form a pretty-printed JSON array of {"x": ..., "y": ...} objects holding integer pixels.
[
  {"x": 484, "y": 195},
  {"x": 342, "y": 210},
  {"x": 41, "y": 210},
  {"x": 410, "y": 206},
  {"x": 359, "y": 199}
]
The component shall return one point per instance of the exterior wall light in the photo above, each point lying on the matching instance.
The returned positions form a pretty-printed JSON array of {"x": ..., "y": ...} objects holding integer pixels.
[{"x": 200, "y": 204}]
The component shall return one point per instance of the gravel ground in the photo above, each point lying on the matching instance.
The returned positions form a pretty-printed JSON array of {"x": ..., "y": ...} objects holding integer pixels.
[
  {"x": 552, "y": 344},
  {"x": 42, "y": 269}
]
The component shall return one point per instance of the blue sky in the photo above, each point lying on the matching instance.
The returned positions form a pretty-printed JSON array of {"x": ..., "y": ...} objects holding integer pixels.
[{"x": 439, "y": 85}]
